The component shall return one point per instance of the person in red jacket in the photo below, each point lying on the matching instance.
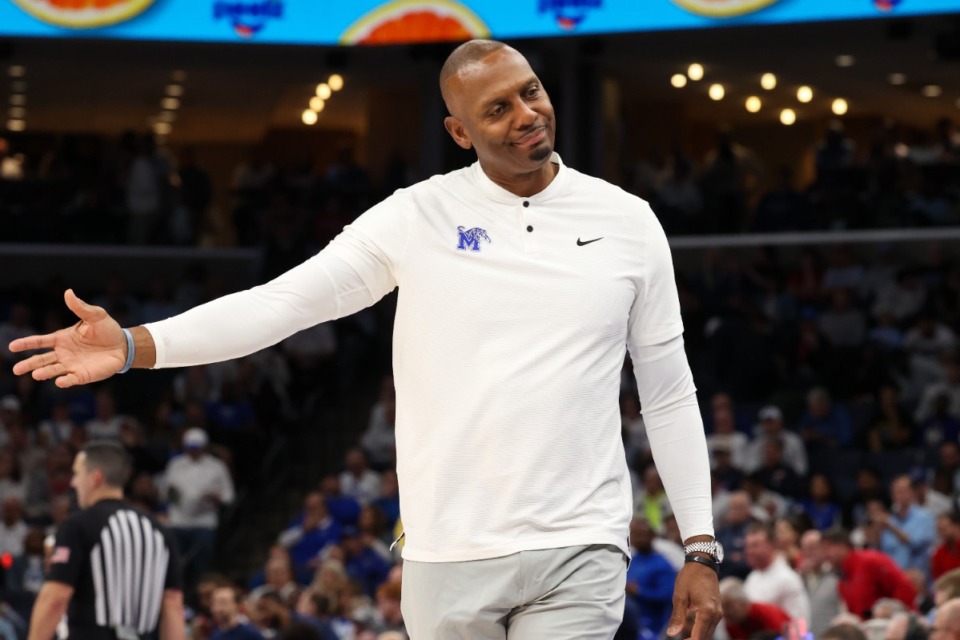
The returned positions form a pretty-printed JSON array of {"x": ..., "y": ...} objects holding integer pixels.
[
  {"x": 946, "y": 556},
  {"x": 867, "y": 575},
  {"x": 744, "y": 618}
]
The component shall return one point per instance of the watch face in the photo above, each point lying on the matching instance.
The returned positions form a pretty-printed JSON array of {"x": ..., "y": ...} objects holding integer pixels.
[{"x": 718, "y": 551}]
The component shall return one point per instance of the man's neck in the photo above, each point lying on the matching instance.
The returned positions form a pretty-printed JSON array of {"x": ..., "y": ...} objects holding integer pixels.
[
  {"x": 525, "y": 185},
  {"x": 106, "y": 493}
]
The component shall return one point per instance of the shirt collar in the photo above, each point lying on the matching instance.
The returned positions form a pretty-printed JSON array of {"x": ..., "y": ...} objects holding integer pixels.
[{"x": 497, "y": 193}]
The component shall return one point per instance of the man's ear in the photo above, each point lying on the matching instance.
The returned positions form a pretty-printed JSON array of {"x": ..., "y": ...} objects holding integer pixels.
[{"x": 457, "y": 131}]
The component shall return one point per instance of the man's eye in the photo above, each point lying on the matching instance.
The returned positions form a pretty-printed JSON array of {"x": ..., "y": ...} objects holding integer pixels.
[{"x": 533, "y": 91}]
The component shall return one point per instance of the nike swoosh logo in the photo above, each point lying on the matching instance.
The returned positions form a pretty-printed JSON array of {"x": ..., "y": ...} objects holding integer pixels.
[{"x": 581, "y": 243}]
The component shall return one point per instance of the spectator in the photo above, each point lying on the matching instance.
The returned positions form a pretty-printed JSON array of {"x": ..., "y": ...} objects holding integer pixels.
[
  {"x": 106, "y": 423},
  {"x": 379, "y": 441},
  {"x": 949, "y": 387},
  {"x": 201, "y": 625},
  {"x": 732, "y": 532},
  {"x": 634, "y": 431},
  {"x": 903, "y": 298},
  {"x": 725, "y": 434},
  {"x": 59, "y": 427},
  {"x": 770, "y": 427},
  {"x": 226, "y": 617},
  {"x": 771, "y": 579},
  {"x": 727, "y": 476},
  {"x": 197, "y": 486},
  {"x": 389, "y": 499},
  {"x": 26, "y": 572},
  {"x": 650, "y": 580},
  {"x": 820, "y": 507},
  {"x": 939, "y": 426},
  {"x": 820, "y": 582},
  {"x": 946, "y": 622},
  {"x": 775, "y": 474},
  {"x": 390, "y": 617},
  {"x": 278, "y": 579},
  {"x": 787, "y": 541},
  {"x": 866, "y": 576},
  {"x": 936, "y": 502},
  {"x": 314, "y": 609},
  {"x": 946, "y": 587},
  {"x": 651, "y": 499},
  {"x": 313, "y": 531},
  {"x": 13, "y": 530},
  {"x": 908, "y": 531},
  {"x": 11, "y": 479},
  {"x": 886, "y": 609},
  {"x": 744, "y": 618},
  {"x": 358, "y": 481},
  {"x": 842, "y": 324},
  {"x": 343, "y": 508},
  {"x": 362, "y": 563},
  {"x": 891, "y": 427},
  {"x": 929, "y": 338},
  {"x": 946, "y": 555},
  {"x": 16, "y": 326},
  {"x": 825, "y": 424}
]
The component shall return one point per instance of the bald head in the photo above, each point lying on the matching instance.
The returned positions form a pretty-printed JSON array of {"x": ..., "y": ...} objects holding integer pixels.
[
  {"x": 467, "y": 55},
  {"x": 948, "y": 615}
]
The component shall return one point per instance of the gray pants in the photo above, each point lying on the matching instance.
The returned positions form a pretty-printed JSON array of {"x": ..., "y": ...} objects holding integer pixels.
[{"x": 571, "y": 593}]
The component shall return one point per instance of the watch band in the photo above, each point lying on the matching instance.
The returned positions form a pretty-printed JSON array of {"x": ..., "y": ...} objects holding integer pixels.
[{"x": 704, "y": 561}]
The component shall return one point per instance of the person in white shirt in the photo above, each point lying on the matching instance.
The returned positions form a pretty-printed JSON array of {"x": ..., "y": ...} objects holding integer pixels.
[
  {"x": 523, "y": 283},
  {"x": 197, "y": 485},
  {"x": 771, "y": 579},
  {"x": 358, "y": 480},
  {"x": 725, "y": 434},
  {"x": 13, "y": 530},
  {"x": 106, "y": 424},
  {"x": 769, "y": 428}
]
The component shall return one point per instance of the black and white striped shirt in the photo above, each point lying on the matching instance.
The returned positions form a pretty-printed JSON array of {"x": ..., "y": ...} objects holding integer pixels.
[{"x": 119, "y": 561}]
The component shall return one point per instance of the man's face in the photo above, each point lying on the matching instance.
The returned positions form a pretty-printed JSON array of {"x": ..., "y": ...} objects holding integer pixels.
[
  {"x": 834, "y": 553},
  {"x": 223, "y": 607},
  {"x": 758, "y": 549},
  {"x": 84, "y": 481},
  {"x": 499, "y": 108},
  {"x": 902, "y": 492}
]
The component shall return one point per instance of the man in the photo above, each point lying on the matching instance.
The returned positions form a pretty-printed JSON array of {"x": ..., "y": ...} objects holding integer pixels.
[
  {"x": 771, "y": 428},
  {"x": 521, "y": 281},
  {"x": 732, "y": 533},
  {"x": 775, "y": 474},
  {"x": 314, "y": 531},
  {"x": 866, "y": 576},
  {"x": 226, "y": 617},
  {"x": 946, "y": 622},
  {"x": 744, "y": 618},
  {"x": 908, "y": 530},
  {"x": 820, "y": 582},
  {"x": 772, "y": 580},
  {"x": 113, "y": 569},
  {"x": 650, "y": 579},
  {"x": 946, "y": 555},
  {"x": 197, "y": 485}
]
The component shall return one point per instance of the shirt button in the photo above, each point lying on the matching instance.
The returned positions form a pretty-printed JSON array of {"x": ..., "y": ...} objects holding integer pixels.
[
  {"x": 526, "y": 203},
  {"x": 530, "y": 228}
]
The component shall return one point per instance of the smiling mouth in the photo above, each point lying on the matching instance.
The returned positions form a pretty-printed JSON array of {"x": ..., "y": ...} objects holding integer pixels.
[{"x": 534, "y": 137}]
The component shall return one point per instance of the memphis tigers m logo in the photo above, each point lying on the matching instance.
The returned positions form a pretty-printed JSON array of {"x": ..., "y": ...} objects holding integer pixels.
[{"x": 470, "y": 238}]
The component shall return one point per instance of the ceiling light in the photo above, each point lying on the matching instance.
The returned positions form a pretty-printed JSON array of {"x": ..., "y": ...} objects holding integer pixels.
[
  {"x": 716, "y": 92},
  {"x": 179, "y": 75},
  {"x": 788, "y": 117},
  {"x": 309, "y": 117},
  {"x": 17, "y": 71},
  {"x": 317, "y": 104},
  {"x": 897, "y": 78},
  {"x": 16, "y": 125},
  {"x": 18, "y": 100},
  {"x": 768, "y": 81},
  {"x": 323, "y": 91},
  {"x": 845, "y": 60},
  {"x": 932, "y": 91},
  {"x": 335, "y": 81},
  {"x": 753, "y": 104},
  {"x": 695, "y": 71},
  {"x": 839, "y": 106},
  {"x": 804, "y": 94},
  {"x": 678, "y": 80},
  {"x": 174, "y": 90},
  {"x": 17, "y": 113},
  {"x": 170, "y": 103}
]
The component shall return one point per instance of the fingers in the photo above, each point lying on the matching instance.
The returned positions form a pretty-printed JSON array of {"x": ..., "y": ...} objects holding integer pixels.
[
  {"x": 50, "y": 371},
  {"x": 708, "y": 617},
  {"x": 679, "y": 615},
  {"x": 84, "y": 311},
  {"x": 67, "y": 381},
  {"x": 34, "y": 362},
  {"x": 33, "y": 342}
]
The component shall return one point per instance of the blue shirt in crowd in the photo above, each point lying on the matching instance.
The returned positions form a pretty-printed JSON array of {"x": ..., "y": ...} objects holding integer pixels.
[
  {"x": 921, "y": 529},
  {"x": 654, "y": 577},
  {"x": 240, "y": 632}
]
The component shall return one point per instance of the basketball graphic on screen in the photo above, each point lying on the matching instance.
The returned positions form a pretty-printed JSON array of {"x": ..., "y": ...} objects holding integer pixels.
[
  {"x": 723, "y": 8},
  {"x": 411, "y": 21},
  {"x": 83, "y": 14}
]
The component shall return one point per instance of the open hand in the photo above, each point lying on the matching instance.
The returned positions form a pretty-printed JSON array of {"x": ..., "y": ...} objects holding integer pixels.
[
  {"x": 696, "y": 603},
  {"x": 91, "y": 350}
]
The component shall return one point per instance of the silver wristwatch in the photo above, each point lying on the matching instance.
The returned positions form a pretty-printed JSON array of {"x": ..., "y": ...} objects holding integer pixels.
[{"x": 712, "y": 548}]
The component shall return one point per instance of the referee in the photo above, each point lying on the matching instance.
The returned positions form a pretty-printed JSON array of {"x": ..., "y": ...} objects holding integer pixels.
[{"x": 114, "y": 571}]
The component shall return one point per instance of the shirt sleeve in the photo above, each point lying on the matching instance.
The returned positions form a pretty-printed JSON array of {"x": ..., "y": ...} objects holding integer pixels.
[
  {"x": 360, "y": 266},
  {"x": 655, "y": 315},
  {"x": 675, "y": 429},
  {"x": 67, "y": 558},
  {"x": 174, "y": 579}
]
